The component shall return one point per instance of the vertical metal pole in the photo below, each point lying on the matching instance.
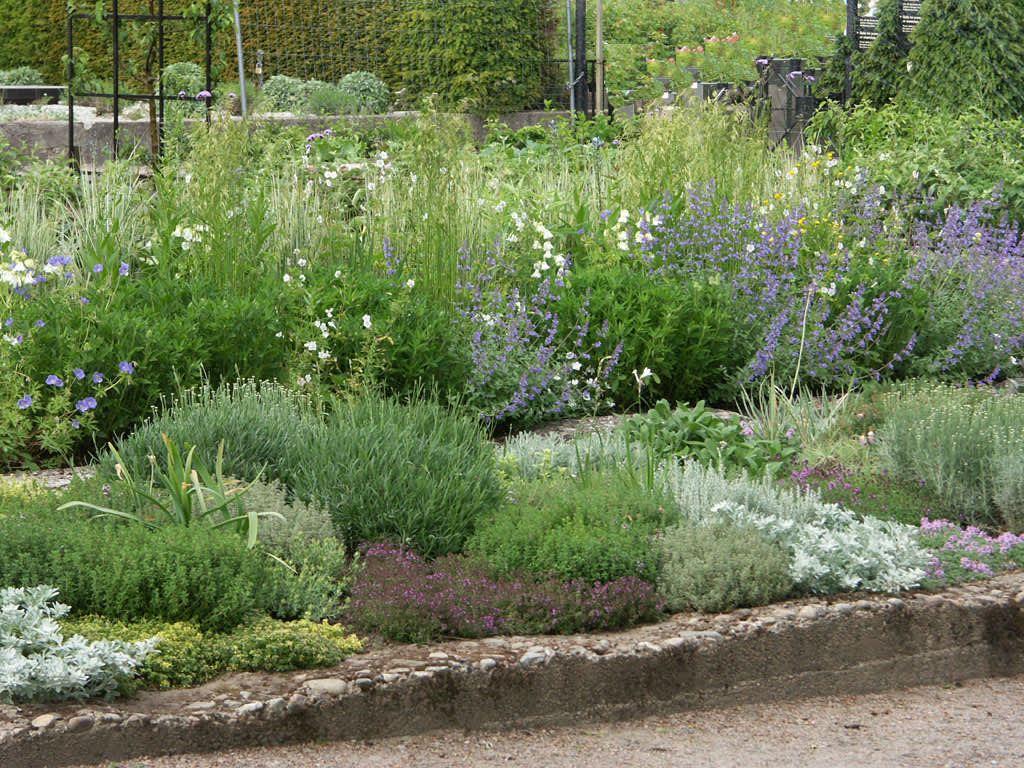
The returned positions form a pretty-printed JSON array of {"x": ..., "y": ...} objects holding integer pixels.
[
  {"x": 569, "y": 56},
  {"x": 852, "y": 33},
  {"x": 241, "y": 63},
  {"x": 581, "y": 56},
  {"x": 71, "y": 92},
  {"x": 116, "y": 23},
  {"x": 599, "y": 58},
  {"x": 160, "y": 80},
  {"x": 209, "y": 80}
]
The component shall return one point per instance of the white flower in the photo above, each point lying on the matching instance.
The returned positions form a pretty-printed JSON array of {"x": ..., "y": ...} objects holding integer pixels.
[
  {"x": 366, "y": 321},
  {"x": 410, "y": 283},
  {"x": 337, "y": 274},
  {"x": 324, "y": 354},
  {"x": 310, "y": 345},
  {"x": 500, "y": 207},
  {"x": 647, "y": 373},
  {"x": 4, "y": 236},
  {"x": 623, "y": 216},
  {"x": 287, "y": 278}
]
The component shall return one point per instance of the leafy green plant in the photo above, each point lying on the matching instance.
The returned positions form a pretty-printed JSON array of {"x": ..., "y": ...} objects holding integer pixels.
[
  {"x": 21, "y": 76},
  {"x": 39, "y": 663},
  {"x": 719, "y": 567},
  {"x": 367, "y": 92},
  {"x": 880, "y": 72},
  {"x": 190, "y": 656},
  {"x": 185, "y": 493},
  {"x": 597, "y": 527},
  {"x": 968, "y": 54},
  {"x": 697, "y": 433},
  {"x": 127, "y": 571}
]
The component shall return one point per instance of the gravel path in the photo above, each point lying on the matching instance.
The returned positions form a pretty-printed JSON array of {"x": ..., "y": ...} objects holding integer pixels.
[{"x": 977, "y": 724}]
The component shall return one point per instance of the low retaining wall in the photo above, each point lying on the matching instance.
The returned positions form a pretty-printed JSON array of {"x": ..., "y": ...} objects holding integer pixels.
[
  {"x": 692, "y": 661},
  {"x": 48, "y": 139}
]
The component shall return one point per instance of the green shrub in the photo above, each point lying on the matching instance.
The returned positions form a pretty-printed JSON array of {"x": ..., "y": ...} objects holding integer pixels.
[
  {"x": 418, "y": 473},
  {"x": 880, "y": 72},
  {"x": 282, "y": 93},
  {"x": 596, "y": 528},
  {"x": 186, "y": 655},
  {"x": 367, "y": 91},
  {"x": 328, "y": 99},
  {"x": 964, "y": 445},
  {"x": 969, "y": 54},
  {"x": 21, "y": 76},
  {"x": 687, "y": 332},
  {"x": 719, "y": 567},
  {"x": 129, "y": 572},
  {"x": 188, "y": 78},
  {"x": 262, "y": 425}
]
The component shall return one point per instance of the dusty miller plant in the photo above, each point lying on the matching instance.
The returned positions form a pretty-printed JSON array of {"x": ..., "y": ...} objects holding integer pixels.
[{"x": 37, "y": 662}]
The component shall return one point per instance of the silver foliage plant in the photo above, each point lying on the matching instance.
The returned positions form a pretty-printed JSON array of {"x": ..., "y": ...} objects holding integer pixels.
[
  {"x": 830, "y": 549},
  {"x": 38, "y": 663}
]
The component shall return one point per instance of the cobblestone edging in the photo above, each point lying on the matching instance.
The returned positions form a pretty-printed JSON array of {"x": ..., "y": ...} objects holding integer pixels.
[{"x": 692, "y": 661}]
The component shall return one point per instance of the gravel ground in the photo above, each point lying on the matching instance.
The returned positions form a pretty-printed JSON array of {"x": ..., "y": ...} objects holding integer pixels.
[{"x": 969, "y": 726}]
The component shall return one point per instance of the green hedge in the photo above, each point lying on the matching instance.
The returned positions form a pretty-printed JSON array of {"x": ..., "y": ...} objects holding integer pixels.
[{"x": 482, "y": 54}]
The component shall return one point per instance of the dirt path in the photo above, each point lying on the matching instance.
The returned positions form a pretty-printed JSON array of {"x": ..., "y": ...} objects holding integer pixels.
[{"x": 978, "y": 724}]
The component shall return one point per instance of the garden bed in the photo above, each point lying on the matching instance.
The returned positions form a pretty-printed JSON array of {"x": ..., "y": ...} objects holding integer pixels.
[{"x": 845, "y": 644}]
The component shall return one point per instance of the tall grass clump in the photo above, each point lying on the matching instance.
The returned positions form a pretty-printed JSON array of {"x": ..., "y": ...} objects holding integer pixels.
[
  {"x": 691, "y": 146},
  {"x": 964, "y": 445}
]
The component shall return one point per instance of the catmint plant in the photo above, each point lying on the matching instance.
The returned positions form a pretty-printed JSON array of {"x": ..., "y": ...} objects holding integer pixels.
[{"x": 529, "y": 363}]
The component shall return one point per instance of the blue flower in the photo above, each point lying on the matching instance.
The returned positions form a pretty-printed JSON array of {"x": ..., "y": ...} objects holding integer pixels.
[
  {"x": 9, "y": 322},
  {"x": 97, "y": 377},
  {"x": 25, "y": 402},
  {"x": 75, "y": 424},
  {"x": 126, "y": 367},
  {"x": 86, "y": 404},
  {"x": 123, "y": 269},
  {"x": 203, "y": 95},
  {"x": 40, "y": 323},
  {"x": 85, "y": 300},
  {"x": 98, "y": 268},
  {"x": 79, "y": 374},
  {"x": 54, "y": 380}
]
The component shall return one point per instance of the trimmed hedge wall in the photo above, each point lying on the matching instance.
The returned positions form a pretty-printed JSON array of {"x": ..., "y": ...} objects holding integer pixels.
[{"x": 485, "y": 55}]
